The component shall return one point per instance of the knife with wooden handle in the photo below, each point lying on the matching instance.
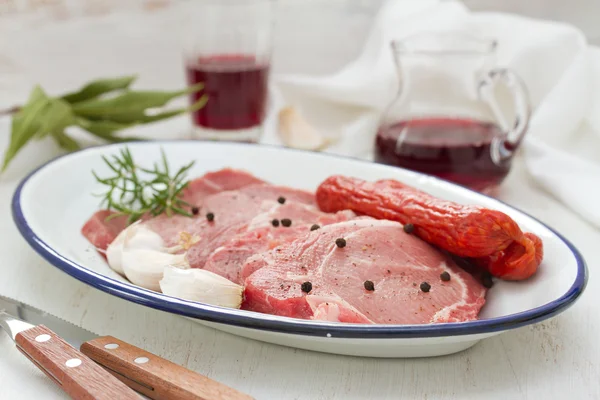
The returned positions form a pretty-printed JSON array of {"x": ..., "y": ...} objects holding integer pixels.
[
  {"x": 106, "y": 367},
  {"x": 153, "y": 376},
  {"x": 76, "y": 374}
]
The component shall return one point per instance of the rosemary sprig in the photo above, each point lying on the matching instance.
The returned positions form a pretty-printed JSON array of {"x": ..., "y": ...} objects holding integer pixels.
[{"x": 135, "y": 191}]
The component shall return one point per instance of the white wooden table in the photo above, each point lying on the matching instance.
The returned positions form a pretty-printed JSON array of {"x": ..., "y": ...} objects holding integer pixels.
[{"x": 559, "y": 358}]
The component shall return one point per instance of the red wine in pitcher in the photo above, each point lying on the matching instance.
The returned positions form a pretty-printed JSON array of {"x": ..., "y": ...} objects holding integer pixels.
[
  {"x": 454, "y": 149},
  {"x": 236, "y": 86}
]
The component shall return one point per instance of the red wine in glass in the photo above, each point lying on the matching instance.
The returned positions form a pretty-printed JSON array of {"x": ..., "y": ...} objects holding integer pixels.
[
  {"x": 237, "y": 88},
  {"x": 454, "y": 149}
]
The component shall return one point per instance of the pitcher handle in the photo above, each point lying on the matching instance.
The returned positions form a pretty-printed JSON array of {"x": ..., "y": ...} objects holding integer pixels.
[{"x": 503, "y": 148}]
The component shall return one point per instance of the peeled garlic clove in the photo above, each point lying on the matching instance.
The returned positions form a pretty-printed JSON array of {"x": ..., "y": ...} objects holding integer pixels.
[
  {"x": 114, "y": 252},
  {"x": 201, "y": 286},
  {"x": 144, "y": 257},
  {"x": 296, "y": 132},
  {"x": 145, "y": 268},
  {"x": 137, "y": 236}
]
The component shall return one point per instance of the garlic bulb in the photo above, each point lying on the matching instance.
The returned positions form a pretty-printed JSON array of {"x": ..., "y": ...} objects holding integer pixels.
[
  {"x": 144, "y": 257},
  {"x": 202, "y": 286},
  {"x": 296, "y": 132}
]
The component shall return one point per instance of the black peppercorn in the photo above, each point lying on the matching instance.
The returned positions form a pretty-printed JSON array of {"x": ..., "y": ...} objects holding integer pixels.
[
  {"x": 281, "y": 200},
  {"x": 210, "y": 217},
  {"x": 445, "y": 276},
  {"x": 275, "y": 223},
  {"x": 425, "y": 287},
  {"x": 314, "y": 227},
  {"x": 340, "y": 242},
  {"x": 195, "y": 210},
  {"x": 306, "y": 287},
  {"x": 369, "y": 285},
  {"x": 487, "y": 280},
  {"x": 286, "y": 222},
  {"x": 409, "y": 228}
]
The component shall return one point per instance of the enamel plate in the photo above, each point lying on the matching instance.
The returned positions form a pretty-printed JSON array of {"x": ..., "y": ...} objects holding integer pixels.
[{"x": 66, "y": 185}]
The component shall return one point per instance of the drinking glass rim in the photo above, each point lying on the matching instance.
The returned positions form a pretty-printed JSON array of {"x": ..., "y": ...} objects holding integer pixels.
[{"x": 487, "y": 45}]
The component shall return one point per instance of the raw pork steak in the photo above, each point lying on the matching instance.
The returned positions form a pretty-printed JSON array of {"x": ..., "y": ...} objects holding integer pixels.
[
  {"x": 260, "y": 235},
  {"x": 100, "y": 232},
  {"x": 376, "y": 250},
  {"x": 216, "y": 182}
]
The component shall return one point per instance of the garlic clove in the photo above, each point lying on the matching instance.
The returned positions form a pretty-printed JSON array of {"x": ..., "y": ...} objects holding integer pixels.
[
  {"x": 296, "y": 132},
  {"x": 137, "y": 236},
  {"x": 144, "y": 257},
  {"x": 114, "y": 252},
  {"x": 201, "y": 286},
  {"x": 145, "y": 268}
]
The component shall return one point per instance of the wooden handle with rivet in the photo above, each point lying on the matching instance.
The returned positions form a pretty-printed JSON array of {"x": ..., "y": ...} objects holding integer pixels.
[
  {"x": 75, "y": 373},
  {"x": 154, "y": 376}
]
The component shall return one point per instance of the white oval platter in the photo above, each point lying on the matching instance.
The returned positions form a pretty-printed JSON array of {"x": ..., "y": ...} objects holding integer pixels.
[{"x": 65, "y": 184}]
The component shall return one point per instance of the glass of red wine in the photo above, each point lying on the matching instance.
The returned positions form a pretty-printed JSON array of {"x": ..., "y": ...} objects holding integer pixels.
[
  {"x": 451, "y": 115},
  {"x": 228, "y": 48}
]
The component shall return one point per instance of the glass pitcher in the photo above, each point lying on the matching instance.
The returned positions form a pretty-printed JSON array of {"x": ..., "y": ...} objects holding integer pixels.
[{"x": 456, "y": 114}]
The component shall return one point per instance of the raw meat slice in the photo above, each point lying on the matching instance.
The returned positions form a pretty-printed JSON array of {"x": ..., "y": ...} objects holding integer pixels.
[
  {"x": 235, "y": 211},
  {"x": 232, "y": 210},
  {"x": 218, "y": 181},
  {"x": 260, "y": 235},
  {"x": 266, "y": 191},
  {"x": 101, "y": 233},
  {"x": 376, "y": 250}
]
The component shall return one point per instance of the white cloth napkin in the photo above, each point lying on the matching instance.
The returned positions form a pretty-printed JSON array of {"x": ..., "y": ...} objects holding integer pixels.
[{"x": 562, "y": 73}]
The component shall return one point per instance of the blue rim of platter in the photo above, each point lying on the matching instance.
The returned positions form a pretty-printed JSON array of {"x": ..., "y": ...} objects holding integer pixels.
[{"x": 252, "y": 320}]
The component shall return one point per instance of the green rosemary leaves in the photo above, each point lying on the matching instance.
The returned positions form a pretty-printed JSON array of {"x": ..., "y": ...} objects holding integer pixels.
[{"x": 135, "y": 191}]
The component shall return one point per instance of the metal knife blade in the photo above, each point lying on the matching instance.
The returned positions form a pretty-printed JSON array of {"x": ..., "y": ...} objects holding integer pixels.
[
  {"x": 147, "y": 373},
  {"x": 72, "y": 334}
]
